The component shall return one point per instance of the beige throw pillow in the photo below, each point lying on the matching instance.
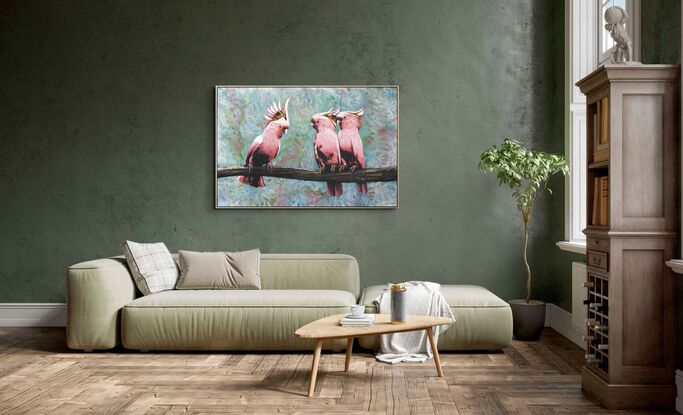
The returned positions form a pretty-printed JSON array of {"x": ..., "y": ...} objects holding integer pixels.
[{"x": 219, "y": 270}]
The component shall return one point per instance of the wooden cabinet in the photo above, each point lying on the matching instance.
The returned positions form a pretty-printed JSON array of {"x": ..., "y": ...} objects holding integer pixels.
[{"x": 631, "y": 233}]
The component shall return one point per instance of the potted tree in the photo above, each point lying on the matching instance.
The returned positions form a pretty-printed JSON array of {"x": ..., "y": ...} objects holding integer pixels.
[{"x": 526, "y": 173}]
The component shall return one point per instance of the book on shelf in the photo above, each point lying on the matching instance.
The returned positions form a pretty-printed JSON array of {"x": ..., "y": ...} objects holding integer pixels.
[
  {"x": 596, "y": 129},
  {"x": 365, "y": 320},
  {"x": 600, "y": 156},
  {"x": 604, "y": 121},
  {"x": 604, "y": 201},
  {"x": 600, "y": 214},
  {"x": 601, "y": 131},
  {"x": 595, "y": 220}
]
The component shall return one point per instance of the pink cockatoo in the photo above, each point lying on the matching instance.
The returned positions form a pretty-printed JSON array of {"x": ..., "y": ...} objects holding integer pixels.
[
  {"x": 266, "y": 146},
  {"x": 350, "y": 144},
  {"x": 326, "y": 147}
]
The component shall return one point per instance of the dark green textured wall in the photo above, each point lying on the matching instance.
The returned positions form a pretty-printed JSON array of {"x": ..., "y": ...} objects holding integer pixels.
[
  {"x": 661, "y": 31},
  {"x": 107, "y": 131}
]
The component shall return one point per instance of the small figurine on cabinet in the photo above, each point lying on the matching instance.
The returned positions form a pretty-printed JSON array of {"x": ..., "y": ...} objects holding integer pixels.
[{"x": 615, "y": 18}]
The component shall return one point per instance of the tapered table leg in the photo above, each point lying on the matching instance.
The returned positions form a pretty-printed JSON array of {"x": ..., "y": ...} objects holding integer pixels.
[
  {"x": 314, "y": 367},
  {"x": 349, "y": 350},
  {"x": 435, "y": 351}
]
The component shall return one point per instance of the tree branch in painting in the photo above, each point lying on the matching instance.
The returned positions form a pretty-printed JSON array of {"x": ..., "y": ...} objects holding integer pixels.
[{"x": 346, "y": 176}]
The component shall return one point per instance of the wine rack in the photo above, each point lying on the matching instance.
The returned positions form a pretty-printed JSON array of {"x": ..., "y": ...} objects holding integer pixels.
[{"x": 597, "y": 323}]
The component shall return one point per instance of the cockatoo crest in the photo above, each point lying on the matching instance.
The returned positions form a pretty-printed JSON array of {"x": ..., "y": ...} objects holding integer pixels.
[
  {"x": 330, "y": 115},
  {"x": 276, "y": 112},
  {"x": 341, "y": 115},
  {"x": 358, "y": 113}
]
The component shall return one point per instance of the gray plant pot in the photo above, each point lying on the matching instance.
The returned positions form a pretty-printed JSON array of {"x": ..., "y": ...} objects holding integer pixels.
[{"x": 528, "y": 319}]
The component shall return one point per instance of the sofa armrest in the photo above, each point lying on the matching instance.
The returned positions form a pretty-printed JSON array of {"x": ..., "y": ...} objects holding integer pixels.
[{"x": 96, "y": 292}]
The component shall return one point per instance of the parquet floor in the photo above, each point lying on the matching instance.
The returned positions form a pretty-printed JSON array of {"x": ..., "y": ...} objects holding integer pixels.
[{"x": 38, "y": 374}]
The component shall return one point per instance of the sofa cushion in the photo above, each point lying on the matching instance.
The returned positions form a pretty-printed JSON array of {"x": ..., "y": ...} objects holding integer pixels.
[
  {"x": 245, "y": 298},
  {"x": 219, "y": 270},
  {"x": 152, "y": 266},
  {"x": 456, "y": 295},
  {"x": 483, "y": 321},
  {"x": 310, "y": 271},
  {"x": 229, "y": 319}
]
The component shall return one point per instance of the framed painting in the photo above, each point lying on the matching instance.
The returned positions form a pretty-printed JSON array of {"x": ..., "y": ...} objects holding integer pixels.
[{"x": 306, "y": 147}]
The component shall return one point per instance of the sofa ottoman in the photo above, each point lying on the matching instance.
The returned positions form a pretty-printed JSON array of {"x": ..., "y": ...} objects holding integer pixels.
[{"x": 483, "y": 321}]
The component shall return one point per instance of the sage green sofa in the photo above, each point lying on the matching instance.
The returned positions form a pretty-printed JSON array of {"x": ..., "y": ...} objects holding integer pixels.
[{"x": 105, "y": 309}]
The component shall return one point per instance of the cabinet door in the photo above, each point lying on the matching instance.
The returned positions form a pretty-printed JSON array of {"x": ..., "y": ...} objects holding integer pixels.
[
  {"x": 643, "y": 327},
  {"x": 642, "y": 157}
]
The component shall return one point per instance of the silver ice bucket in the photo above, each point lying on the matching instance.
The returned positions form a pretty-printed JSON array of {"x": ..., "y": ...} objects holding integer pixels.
[{"x": 398, "y": 303}]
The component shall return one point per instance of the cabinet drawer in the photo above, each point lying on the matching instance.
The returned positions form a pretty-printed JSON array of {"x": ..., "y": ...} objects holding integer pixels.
[
  {"x": 597, "y": 244},
  {"x": 597, "y": 260}
]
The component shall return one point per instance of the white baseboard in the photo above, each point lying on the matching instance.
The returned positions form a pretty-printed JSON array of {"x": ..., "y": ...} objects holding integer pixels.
[
  {"x": 560, "y": 320},
  {"x": 32, "y": 314}
]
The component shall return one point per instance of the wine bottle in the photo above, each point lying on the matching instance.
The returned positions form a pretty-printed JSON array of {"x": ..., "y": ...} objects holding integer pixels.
[
  {"x": 589, "y": 284},
  {"x": 586, "y": 302},
  {"x": 592, "y": 322},
  {"x": 602, "y": 347},
  {"x": 588, "y": 338},
  {"x": 595, "y": 306},
  {"x": 600, "y": 327},
  {"x": 590, "y": 358}
]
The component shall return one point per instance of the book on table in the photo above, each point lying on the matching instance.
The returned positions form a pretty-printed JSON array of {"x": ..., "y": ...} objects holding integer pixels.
[{"x": 363, "y": 320}]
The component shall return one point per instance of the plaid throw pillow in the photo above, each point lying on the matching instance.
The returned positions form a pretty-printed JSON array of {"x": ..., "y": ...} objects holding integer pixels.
[{"x": 152, "y": 266}]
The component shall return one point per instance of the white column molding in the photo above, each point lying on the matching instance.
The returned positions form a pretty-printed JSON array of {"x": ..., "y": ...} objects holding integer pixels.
[{"x": 581, "y": 59}]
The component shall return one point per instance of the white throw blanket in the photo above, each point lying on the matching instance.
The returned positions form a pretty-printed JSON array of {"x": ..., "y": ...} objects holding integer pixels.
[{"x": 421, "y": 298}]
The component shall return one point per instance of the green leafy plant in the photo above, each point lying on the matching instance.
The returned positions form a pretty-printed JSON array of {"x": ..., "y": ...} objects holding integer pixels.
[{"x": 526, "y": 173}]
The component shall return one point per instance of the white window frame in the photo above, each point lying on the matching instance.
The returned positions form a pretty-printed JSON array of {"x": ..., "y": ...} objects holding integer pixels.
[{"x": 583, "y": 26}]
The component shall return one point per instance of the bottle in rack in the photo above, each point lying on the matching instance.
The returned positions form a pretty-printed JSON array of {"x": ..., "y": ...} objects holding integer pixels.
[{"x": 591, "y": 358}]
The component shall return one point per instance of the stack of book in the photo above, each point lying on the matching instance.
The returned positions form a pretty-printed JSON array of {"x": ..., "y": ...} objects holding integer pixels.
[
  {"x": 601, "y": 201},
  {"x": 350, "y": 320}
]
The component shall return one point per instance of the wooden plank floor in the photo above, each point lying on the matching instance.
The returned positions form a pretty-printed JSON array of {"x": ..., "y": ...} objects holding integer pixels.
[{"x": 38, "y": 374}]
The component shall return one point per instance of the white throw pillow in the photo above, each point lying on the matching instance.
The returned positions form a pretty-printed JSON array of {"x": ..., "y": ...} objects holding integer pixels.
[{"x": 152, "y": 266}]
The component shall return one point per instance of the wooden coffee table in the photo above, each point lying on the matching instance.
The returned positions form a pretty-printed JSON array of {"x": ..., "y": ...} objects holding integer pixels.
[{"x": 328, "y": 328}]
